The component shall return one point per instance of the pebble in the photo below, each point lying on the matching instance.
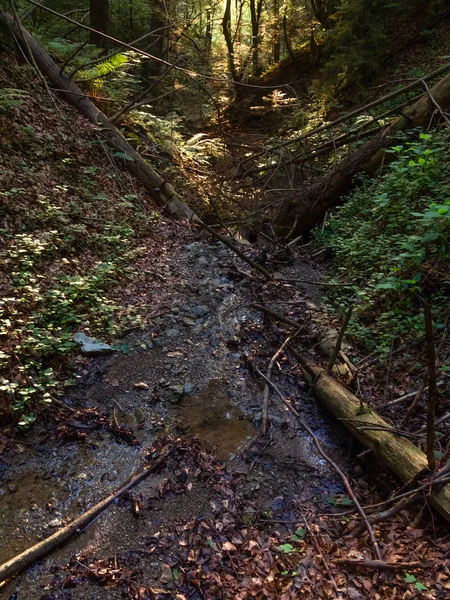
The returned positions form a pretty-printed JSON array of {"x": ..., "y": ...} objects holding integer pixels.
[
  {"x": 188, "y": 321},
  {"x": 172, "y": 332},
  {"x": 203, "y": 261},
  {"x": 55, "y": 523},
  {"x": 188, "y": 388},
  {"x": 186, "y": 308},
  {"x": 201, "y": 310}
]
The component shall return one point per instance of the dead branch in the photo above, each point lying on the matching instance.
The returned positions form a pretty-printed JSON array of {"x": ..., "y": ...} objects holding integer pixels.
[
  {"x": 29, "y": 556},
  {"x": 340, "y": 337},
  {"x": 235, "y": 249},
  {"x": 278, "y": 316},
  {"x": 325, "y": 456},
  {"x": 380, "y": 565},
  {"x": 265, "y": 404},
  {"x": 432, "y": 388}
]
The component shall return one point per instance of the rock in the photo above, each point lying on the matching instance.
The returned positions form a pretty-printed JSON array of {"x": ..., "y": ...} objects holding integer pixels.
[
  {"x": 174, "y": 393},
  {"x": 186, "y": 308},
  {"x": 197, "y": 329},
  {"x": 91, "y": 346},
  {"x": 141, "y": 385},
  {"x": 278, "y": 503},
  {"x": 172, "y": 332},
  {"x": 188, "y": 321},
  {"x": 55, "y": 523},
  {"x": 188, "y": 388},
  {"x": 203, "y": 261},
  {"x": 200, "y": 310}
]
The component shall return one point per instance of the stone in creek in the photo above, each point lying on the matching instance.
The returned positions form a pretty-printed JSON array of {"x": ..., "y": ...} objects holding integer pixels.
[
  {"x": 91, "y": 346},
  {"x": 174, "y": 393},
  {"x": 203, "y": 261},
  {"x": 188, "y": 387},
  {"x": 172, "y": 332},
  {"x": 200, "y": 310}
]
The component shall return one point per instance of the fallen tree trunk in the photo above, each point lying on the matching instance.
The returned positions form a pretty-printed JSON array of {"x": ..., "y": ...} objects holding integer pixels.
[
  {"x": 395, "y": 452},
  {"x": 316, "y": 200},
  {"x": 162, "y": 192},
  {"x": 26, "y": 558}
]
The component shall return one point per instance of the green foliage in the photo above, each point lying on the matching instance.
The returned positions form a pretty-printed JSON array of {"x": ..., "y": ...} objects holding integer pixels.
[
  {"x": 391, "y": 235},
  {"x": 11, "y": 98},
  {"x": 62, "y": 255}
]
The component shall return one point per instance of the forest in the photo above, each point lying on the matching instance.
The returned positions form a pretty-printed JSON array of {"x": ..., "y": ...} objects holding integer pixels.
[{"x": 225, "y": 299}]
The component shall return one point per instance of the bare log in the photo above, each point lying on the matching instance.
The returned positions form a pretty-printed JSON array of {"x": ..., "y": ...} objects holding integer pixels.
[
  {"x": 162, "y": 192},
  {"x": 26, "y": 558},
  {"x": 314, "y": 202},
  {"x": 397, "y": 453}
]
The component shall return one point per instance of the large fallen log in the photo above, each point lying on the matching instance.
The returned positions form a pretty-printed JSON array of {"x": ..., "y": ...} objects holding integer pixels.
[
  {"x": 325, "y": 192},
  {"x": 394, "y": 451},
  {"x": 162, "y": 192},
  {"x": 27, "y": 557}
]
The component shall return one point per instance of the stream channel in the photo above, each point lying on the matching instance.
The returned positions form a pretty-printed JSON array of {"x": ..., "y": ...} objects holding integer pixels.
[{"x": 186, "y": 373}]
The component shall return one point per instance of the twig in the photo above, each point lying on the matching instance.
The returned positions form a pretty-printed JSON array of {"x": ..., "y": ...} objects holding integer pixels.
[
  {"x": 380, "y": 565},
  {"x": 265, "y": 404},
  {"x": 340, "y": 338},
  {"x": 338, "y": 470},
  {"x": 438, "y": 107},
  {"x": 432, "y": 388},
  {"x": 321, "y": 283},
  {"x": 278, "y": 316}
]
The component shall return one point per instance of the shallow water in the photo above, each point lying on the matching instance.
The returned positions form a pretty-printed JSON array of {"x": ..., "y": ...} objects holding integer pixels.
[{"x": 210, "y": 416}]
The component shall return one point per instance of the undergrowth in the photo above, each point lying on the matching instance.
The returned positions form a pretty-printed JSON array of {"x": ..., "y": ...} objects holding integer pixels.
[
  {"x": 69, "y": 231},
  {"x": 391, "y": 239}
]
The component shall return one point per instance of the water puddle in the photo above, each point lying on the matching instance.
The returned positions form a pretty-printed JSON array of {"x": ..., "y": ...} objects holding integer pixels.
[{"x": 210, "y": 416}]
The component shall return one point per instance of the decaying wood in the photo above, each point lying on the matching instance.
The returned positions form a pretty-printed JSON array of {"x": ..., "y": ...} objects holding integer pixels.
[
  {"x": 26, "y": 558},
  {"x": 432, "y": 387},
  {"x": 379, "y": 565},
  {"x": 395, "y": 452},
  {"x": 314, "y": 202},
  {"x": 162, "y": 192}
]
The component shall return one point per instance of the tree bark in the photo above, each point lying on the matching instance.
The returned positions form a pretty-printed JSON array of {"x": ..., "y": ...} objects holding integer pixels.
[
  {"x": 99, "y": 17},
  {"x": 397, "y": 453},
  {"x": 326, "y": 191},
  {"x": 162, "y": 192}
]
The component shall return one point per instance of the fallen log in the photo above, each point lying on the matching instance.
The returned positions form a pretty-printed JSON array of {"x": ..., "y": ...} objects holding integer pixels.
[
  {"x": 325, "y": 192},
  {"x": 161, "y": 192},
  {"x": 29, "y": 556},
  {"x": 395, "y": 452}
]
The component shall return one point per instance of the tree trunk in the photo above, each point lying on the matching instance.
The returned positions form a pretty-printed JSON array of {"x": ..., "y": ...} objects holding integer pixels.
[
  {"x": 276, "y": 31},
  {"x": 325, "y": 192},
  {"x": 226, "y": 28},
  {"x": 255, "y": 13},
  {"x": 397, "y": 453},
  {"x": 161, "y": 192},
  {"x": 99, "y": 17}
]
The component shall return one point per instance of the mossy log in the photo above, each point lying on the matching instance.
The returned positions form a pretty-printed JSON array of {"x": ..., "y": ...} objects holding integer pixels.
[
  {"x": 162, "y": 192},
  {"x": 394, "y": 451},
  {"x": 325, "y": 192}
]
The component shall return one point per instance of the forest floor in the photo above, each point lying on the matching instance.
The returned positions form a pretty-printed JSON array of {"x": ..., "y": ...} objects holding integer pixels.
[
  {"x": 231, "y": 513},
  {"x": 262, "y": 522}
]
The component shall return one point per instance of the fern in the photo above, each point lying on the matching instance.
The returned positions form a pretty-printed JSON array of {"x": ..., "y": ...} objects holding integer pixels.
[
  {"x": 104, "y": 68},
  {"x": 123, "y": 155},
  {"x": 10, "y": 98}
]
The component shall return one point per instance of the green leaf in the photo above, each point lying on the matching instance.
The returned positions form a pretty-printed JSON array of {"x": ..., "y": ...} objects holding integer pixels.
[
  {"x": 409, "y": 578},
  {"x": 300, "y": 532},
  {"x": 420, "y": 587},
  {"x": 287, "y": 548},
  {"x": 346, "y": 502}
]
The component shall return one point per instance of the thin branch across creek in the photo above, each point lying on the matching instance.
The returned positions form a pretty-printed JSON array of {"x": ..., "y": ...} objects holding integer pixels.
[{"x": 338, "y": 470}]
